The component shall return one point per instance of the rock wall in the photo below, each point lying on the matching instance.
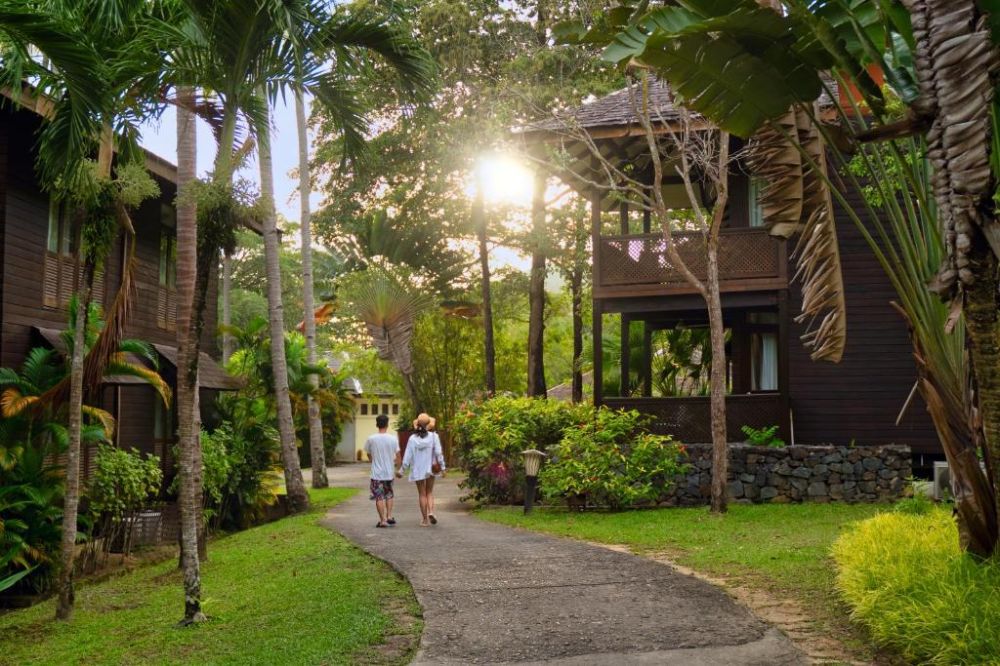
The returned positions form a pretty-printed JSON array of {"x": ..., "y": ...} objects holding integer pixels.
[{"x": 798, "y": 474}]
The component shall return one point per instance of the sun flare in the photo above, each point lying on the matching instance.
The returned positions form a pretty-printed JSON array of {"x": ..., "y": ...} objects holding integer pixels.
[{"x": 504, "y": 180}]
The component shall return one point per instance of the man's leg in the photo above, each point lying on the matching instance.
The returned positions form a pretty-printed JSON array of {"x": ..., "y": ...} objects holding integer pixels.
[
  {"x": 380, "y": 507},
  {"x": 388, "y": 510}
]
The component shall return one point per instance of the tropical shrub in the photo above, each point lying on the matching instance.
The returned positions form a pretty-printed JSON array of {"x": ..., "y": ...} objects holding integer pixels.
[
  {"x": 612, "y": 461},
  {"x": 123, "y": 483},
  {"x": 489, "y": 437},
  {"x": 245, "y": 466},
  {"x": 31, "y": 491},
  {"x": 763, "y": 436},
  {"x": 908, "y": 582}
]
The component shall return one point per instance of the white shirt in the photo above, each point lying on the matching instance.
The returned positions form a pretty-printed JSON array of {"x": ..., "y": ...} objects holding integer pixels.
[
  {"x": 420, "y": 453},
  {"x": 382, "y": 449}
]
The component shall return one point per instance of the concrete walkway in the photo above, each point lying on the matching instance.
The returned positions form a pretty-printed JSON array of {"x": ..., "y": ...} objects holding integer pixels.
[{"x": 496, "y": 595}]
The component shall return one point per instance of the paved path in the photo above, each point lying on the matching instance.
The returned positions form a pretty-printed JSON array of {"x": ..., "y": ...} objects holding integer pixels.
[{"x": 496, "y": 595}]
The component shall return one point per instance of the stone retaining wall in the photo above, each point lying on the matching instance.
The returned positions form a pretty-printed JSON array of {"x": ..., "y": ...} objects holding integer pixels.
[{"x": 798, "y": 473}]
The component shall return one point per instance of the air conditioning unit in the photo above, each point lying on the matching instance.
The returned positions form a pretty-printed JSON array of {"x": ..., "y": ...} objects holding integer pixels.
[{"x": 942, "y": 479}]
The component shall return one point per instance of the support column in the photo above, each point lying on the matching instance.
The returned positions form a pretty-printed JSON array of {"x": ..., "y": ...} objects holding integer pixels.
[
  {"x": 647, "y": 360},
  {"x": 597, "y": 310},
  {"x": 598, "y": 332},
  {"x": 626, "y": 349},
  {"x": 783, "y": 367}
]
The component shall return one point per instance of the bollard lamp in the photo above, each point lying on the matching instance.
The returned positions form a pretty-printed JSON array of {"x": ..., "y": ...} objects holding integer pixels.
[{"x": 532, "y": 461}]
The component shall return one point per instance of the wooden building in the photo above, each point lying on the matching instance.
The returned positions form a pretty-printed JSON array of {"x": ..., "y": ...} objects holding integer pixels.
[
  {"x": 38, "y": 273},
  {"x": 772, "y": 379}
]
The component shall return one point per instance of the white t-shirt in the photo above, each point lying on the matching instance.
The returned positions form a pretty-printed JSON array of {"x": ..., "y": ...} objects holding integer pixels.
[{"x": 382, "y": 449}]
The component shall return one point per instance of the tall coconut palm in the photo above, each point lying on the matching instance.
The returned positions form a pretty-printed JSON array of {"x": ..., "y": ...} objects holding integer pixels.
[
  {"x": 316, "y": 450},
  {"x": 245, "y": 56}
]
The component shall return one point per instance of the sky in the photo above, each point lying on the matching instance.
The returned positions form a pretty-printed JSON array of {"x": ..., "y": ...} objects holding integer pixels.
[{"x": 161, "y": 138}]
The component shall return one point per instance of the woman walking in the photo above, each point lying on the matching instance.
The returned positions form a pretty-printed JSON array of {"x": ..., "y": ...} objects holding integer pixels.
[{"x": 425, "y": 460}]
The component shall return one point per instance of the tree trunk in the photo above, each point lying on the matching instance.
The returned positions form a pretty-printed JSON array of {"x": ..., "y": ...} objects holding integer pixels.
[
  {"x": 187, "y": 361},
  {"x": 489, "y": 346},
  {"x": 982, "y": 322},
  {"x": 298, "y": 498},
  {"x": 720, "y": 449},
  {"x": 319, "y": 478},
  {"x": 576, "y": 293},
  {"x": 536, "y": 292},
  {"x": 227, "y": 307},
  {"x": 67, "y": 597}
]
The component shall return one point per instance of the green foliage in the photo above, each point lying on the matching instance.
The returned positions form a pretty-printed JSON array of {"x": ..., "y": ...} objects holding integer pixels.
[
  {"x": 223, "y": 208},
  {"x": 490, "y": 436},
  {"x": 123, "y": 482},
  {"x": 611, "y": 461},
  {"x": 763, "y": 436},
  {"x": 31, "y": 493},
  {"x": 240, "y": 464},
  {"x": 907, "y": 580},
  {"x": 447, "y": 362}
]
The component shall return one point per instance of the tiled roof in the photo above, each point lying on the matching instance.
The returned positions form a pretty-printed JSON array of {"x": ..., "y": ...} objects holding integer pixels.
[{"x": 613, "y": 110}]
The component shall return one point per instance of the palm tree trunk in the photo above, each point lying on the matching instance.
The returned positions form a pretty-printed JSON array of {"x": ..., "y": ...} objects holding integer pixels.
[
  {"x": 318, "y": 455},
  {"x": 227, "y": 308},
  {"x": 64, "y": 607},
  {"x": 298, "y": 498},
  {"x": 536, "y": 292},
  {"x": 489, "y": 346},
  {"x": 187, "y": 361},
  {"x": 982, "y": 322}
]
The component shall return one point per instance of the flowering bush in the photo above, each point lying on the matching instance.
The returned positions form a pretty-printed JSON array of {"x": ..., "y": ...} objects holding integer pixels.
[
  {"x": 612, "y": 461},
  {"x": 490, "y": 436}
]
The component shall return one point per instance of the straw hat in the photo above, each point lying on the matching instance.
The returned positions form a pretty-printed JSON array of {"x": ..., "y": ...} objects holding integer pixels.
[{"x": 424, "y": 420}]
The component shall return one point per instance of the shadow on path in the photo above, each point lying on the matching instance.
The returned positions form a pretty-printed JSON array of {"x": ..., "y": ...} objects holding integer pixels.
[{"x": 494, "y": 595}]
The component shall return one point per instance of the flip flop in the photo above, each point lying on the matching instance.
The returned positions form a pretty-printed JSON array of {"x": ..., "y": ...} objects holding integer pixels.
[
  {"x": 434, "y": 521},
  {"x": 381, "y": 525},
  {"x": 391, "y": 521}
]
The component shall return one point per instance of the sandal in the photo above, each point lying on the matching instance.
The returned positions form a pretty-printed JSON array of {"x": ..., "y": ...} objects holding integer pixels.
[
  {"x": 434, "y": 521},
  {"x": 381, "y": 525}
]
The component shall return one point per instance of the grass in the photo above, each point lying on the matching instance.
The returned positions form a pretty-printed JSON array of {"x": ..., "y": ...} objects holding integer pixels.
[
  {"x": 289, "y": 592},
  {"x": 908, "y": 582}
]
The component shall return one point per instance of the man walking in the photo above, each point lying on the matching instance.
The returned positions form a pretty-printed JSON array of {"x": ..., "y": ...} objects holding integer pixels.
[{"x": 383, "y": 451}]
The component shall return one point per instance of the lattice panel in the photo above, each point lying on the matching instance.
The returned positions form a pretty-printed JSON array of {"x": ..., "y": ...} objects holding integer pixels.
[
  {"x": 642, "y": 259},
  {"x": 689, "y": 419}
]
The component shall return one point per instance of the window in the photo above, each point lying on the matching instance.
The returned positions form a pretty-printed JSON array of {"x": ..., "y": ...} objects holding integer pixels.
[
  {"x": 764, "y": 361},
  {"x": 166, "y": 301},
  {"x": 385, "y": 409},
  {"x": 374, "y": 409},
  {"x": 364, "y": 409},
  {"x": 756, "y": 211},
  {"x": 395, "y": 409},
  {"x": 60, "y": 259}
]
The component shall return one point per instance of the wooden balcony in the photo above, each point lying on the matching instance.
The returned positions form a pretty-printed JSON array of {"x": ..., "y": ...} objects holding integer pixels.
[
  {"x": 689, "y": 420},
  {"x": 637, "y": 265}
]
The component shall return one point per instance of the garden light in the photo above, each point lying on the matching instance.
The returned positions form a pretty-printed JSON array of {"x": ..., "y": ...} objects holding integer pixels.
[{"x": 532, "y": 461}]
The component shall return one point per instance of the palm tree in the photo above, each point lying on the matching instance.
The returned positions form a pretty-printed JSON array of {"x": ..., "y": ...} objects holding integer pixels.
[
  {"x": 389, "y": 310},
  {"x": 247, "y": 56},
  {"x": 317, "y": 456}
]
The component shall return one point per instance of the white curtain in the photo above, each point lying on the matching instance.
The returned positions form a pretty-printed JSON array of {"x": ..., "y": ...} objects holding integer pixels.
[{"x": 765, "y": 362}]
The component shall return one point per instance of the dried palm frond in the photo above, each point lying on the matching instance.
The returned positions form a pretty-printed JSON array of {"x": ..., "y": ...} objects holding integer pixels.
[
  {"x": 776, "y": 161},
  {"x": 818, "y": 255},
  {"x": 955, "y": 60}
]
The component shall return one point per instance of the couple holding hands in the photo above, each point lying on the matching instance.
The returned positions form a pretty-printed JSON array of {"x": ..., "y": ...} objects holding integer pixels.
[{"x": 424, "y": 459}]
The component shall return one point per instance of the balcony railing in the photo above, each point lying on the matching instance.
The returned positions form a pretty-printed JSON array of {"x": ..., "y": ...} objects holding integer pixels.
[
  {"x": 637, "y": 265},
  {"x": 689, "y": 420}
]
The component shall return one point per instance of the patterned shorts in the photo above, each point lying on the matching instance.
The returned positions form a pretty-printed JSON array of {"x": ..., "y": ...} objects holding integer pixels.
[{"x": 381, "y": 490}]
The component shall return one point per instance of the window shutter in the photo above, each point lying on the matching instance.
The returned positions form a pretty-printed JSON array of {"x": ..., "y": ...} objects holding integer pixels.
[{"x": 50, "y": 282}]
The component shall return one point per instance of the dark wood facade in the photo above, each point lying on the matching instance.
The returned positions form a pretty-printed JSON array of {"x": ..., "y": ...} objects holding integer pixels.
[{"x": 32, "y": 298}]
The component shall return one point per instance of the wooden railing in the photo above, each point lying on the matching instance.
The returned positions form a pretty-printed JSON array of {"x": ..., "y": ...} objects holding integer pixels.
[
  {"x": 689, "y": 419},
  {"x": 638, "y": 265}
]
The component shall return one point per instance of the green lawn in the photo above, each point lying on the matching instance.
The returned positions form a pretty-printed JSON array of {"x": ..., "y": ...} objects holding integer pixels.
[
  {"x": 289, "y": 592},
  {"x": 781, "y": 547}
]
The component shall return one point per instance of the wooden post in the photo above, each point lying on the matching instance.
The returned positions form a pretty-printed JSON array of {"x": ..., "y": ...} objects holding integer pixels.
[
  {"x": 647, "y": 219},
  {"x": 783, "y": 353},
  {"x": 626, "y": 350},
  {"x": 598, "y": 306},
  {"x": 647, "y": 360},
  {"x": 598, "y": 332},
  {"x": 623, "y": 218}
]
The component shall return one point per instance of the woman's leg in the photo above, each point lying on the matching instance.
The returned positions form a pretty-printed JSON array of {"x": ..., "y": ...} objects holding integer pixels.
[
  {"x": 422, "y": 498},
  {"x": 430, "y": 498}
]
